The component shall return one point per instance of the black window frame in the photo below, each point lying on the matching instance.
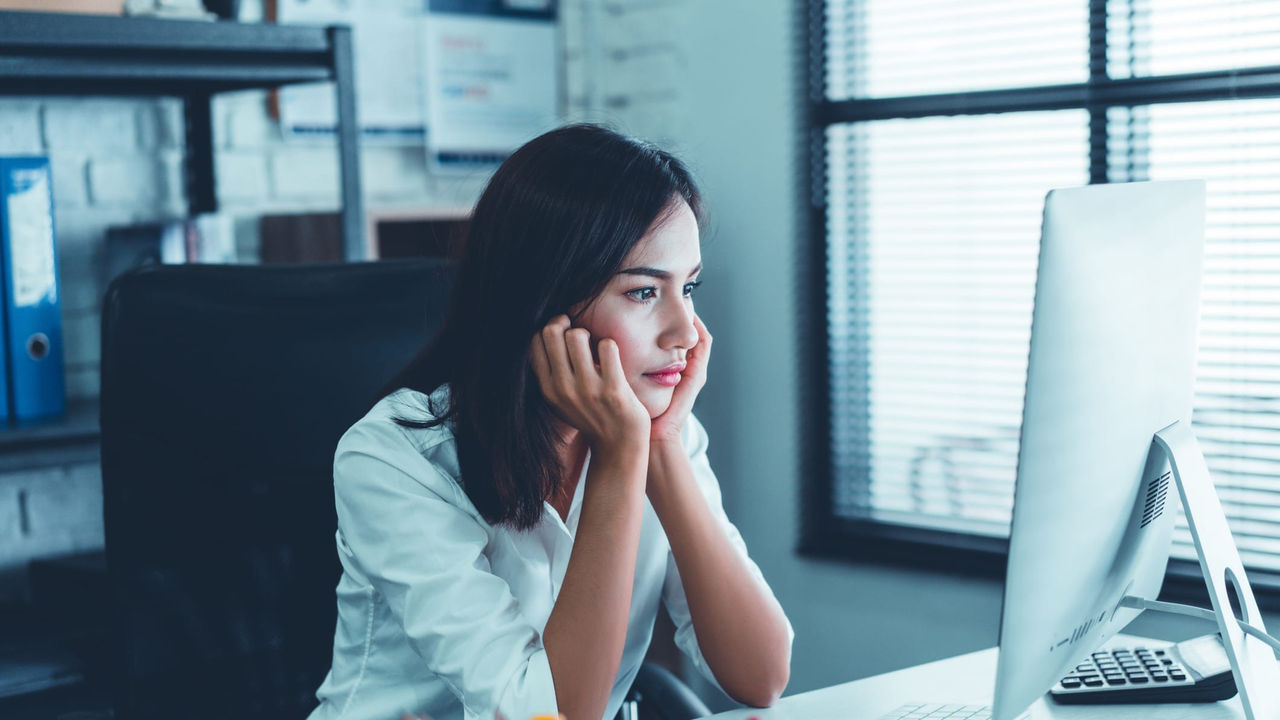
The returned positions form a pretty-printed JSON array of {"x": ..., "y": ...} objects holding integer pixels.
[{"x": 825, "y": 535}]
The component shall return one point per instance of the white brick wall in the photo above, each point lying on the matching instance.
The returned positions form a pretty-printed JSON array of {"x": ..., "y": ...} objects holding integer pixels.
[
  {"x": 304, "y": 173},
  {"x": 242, "y": 177},
  {"x": 161, "y": 125},
  {"x": 624, "y": 65},
  {"x": 119, "y": 161},
  {"x": 151, "y": 181},
  {"x": 108, "y": 124},
  {"x": 47, "y": 512},
  {"x": 20, "y": 127}
]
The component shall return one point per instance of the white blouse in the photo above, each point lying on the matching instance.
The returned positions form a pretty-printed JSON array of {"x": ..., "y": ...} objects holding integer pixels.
[{"x": 441, "y": 613}]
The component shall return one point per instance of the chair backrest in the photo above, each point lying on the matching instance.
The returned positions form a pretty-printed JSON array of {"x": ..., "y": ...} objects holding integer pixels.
[{"x": 224, "y": 392}]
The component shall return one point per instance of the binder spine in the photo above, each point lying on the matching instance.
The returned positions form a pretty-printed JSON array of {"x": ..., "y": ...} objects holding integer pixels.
[{"x": 32, "y": 315}]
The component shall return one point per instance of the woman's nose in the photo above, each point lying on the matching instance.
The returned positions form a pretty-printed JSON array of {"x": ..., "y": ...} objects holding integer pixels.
[{"x": 680, "y": 331}]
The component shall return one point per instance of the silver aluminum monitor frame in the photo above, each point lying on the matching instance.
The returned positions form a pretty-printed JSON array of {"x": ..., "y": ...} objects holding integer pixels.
[{"x": 1108, "y": 404}]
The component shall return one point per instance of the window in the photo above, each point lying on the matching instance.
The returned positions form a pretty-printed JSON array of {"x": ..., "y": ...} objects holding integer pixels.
[{"x": 935, "y": 130}]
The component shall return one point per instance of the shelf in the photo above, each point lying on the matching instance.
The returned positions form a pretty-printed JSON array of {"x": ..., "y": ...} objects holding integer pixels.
[
  {"x": 80, "y": 424},
  {"x": 66, "y": 54},
  {"x": 46, "y": 53},
  {"x": 72, "y": 438}
]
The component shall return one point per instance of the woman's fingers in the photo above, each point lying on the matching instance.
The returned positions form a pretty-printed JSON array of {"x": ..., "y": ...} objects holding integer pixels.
[
  {"x": 704, "y": 337},
  {"x": 565, "y": 362},
  {"x": 611, "y": 363},
  {"x": 578, "y": 341},
  {"x": 703, "y": 333},
  {"x": 702, "y": 350},
  {"x": 553, "y": 339}
]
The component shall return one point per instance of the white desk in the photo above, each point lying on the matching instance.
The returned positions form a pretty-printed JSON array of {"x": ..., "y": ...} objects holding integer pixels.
[{"x": 964, "y": 680}]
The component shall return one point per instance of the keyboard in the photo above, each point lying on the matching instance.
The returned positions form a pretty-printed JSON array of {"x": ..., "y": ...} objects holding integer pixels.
[
  {"x": 937, "y": 711},
  {"x": 1125, "y": 667}
]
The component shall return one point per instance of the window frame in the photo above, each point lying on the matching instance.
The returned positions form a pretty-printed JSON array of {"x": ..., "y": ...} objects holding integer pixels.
[{"x": 823, "y": 534}]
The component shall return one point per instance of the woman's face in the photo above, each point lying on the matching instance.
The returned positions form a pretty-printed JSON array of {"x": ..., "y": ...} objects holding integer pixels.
[{"x": 647, "y": 308}]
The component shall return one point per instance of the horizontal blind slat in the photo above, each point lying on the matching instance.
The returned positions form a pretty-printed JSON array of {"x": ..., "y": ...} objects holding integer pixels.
[{"x": 878, "y": 48}]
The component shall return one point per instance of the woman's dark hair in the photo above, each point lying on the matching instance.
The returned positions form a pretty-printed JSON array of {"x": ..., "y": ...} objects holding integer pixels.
[{"x": 549, "y": 231}]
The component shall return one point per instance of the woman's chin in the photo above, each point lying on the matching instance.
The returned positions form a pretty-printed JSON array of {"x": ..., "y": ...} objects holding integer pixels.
[{"x": 656, "y": 402}]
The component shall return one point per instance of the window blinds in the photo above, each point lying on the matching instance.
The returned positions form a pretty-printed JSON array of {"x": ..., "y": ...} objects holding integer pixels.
[
  {"x": 891, "y": 48},
  {"x": 1169, "y": 37},
  {"x": 933, "y": 226},
  {"x": 938, "y": 222},
  {"x": 1235, "y": 147}
]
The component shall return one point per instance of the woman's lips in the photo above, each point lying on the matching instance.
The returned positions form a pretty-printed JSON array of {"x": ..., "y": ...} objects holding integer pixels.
[
  {"x": 668, "y": 376},
  {"x": 667, "y": 379}
]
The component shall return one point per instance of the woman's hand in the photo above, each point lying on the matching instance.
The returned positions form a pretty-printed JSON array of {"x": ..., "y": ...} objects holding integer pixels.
[
  {"x": 595, "y": 399},
  {"x": 496, "y": 715},
  {"x": 667, "y": 426}
]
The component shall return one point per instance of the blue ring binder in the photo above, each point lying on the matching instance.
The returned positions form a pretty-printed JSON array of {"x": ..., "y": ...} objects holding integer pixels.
[{"x": 35, "y": 386}]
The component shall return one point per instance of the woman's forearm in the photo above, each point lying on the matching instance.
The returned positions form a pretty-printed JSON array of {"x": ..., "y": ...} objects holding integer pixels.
[
  {"x": 587, "y": 629},
  {"x": 740, "y": 627}
]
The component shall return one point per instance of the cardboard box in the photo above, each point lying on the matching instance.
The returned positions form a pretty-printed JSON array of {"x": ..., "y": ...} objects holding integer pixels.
[
  {"x": 93, "y": 7},
  {"x": 390, "y": 234}
]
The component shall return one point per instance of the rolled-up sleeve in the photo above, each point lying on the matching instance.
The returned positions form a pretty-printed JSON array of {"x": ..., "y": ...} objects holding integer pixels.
[
  {"x": 694, "y": 441},
  {"x": 406, "y": 529}
]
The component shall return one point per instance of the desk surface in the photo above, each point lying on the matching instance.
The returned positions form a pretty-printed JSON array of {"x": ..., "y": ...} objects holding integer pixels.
[{"x": 965, "y": 680}]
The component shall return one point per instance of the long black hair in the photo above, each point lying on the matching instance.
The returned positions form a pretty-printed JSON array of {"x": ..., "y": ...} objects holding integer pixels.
[{"x": 550, "y": 230}]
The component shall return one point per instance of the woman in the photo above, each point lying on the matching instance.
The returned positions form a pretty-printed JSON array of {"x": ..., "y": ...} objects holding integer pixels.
[{"x": 533, "y": 484}]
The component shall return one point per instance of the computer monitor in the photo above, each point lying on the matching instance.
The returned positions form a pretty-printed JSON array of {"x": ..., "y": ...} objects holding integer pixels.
[{"x": 1112, "y": 362}]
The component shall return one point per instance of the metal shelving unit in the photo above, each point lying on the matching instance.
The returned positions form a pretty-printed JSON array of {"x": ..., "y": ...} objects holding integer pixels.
[{"x": 64, "y": 54}]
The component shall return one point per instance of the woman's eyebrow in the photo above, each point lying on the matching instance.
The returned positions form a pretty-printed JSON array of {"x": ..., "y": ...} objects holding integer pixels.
[{"x": 655, "y": 272}]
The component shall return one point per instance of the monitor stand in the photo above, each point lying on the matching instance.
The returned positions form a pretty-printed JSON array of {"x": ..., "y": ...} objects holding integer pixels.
[{"x": 1253, "y": 662}]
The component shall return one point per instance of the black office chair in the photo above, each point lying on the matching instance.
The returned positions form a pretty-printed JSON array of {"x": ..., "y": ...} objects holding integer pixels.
[
  {"x": 659, "y": 694},
  {"x": 224, "y": 392}
]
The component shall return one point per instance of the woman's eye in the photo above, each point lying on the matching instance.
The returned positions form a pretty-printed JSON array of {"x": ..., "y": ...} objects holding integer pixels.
[{"x": 645, "y": 294}]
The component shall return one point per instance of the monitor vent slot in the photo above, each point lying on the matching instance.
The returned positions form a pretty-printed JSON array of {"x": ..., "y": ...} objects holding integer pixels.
[
  {"x": 1157, "y": 489},
  {"x": 1080, "y": 631}
]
